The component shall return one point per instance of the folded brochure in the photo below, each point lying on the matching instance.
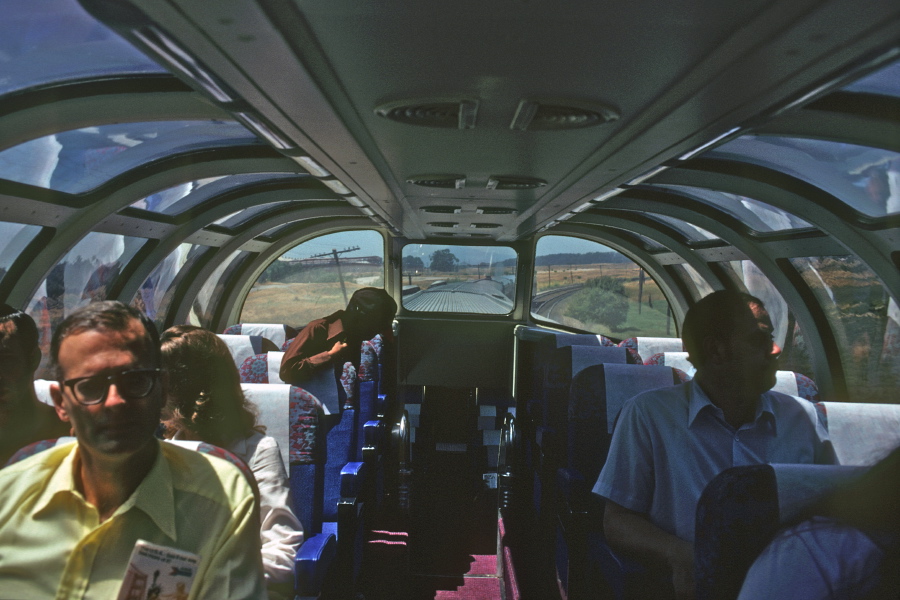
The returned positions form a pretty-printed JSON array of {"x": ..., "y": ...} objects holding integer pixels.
[{"x": 158, "y": 573}]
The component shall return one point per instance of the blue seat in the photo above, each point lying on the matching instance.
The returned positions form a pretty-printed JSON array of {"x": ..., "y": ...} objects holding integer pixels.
[
  {"x": 742, "y": 508},
  {"x": 585, "y": 567}
]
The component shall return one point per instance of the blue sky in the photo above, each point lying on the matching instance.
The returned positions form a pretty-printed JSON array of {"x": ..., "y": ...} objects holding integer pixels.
[{"x": 370, "y": 243}]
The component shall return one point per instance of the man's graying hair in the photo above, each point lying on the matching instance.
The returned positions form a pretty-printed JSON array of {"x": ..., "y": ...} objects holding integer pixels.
[{"x": 110, "y": 315}]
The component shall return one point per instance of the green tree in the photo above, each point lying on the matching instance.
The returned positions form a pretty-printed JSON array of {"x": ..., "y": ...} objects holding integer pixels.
[
  {"x": 413, "y": 263},
  {"x": 443, "y": 260},
  {"x": 601, "y": 301}
]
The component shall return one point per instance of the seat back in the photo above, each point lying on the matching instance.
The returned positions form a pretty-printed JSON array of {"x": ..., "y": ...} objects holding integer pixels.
[
  {"x": 278, "y": 333},
  {"x": 262, "y": 368},
  {"x": 862, "y": 434},
  {"x": 740, "y": 511},
  {"x": 272, "y": 402},
  {"x": 596, "y": 397},
  {"x": 243, "y": 347},
  {"x": 648, "y": 346}
]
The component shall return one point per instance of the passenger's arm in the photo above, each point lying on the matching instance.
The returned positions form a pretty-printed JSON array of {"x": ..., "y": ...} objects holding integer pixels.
[
  {"x": 308, "y": 352},
  {"x": 281, "y": 532},
  {"x": 632, "y": 534}
]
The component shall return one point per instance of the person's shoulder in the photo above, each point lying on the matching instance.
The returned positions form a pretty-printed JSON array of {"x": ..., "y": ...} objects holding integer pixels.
[
  {"x": 208, "y": 473},
  {"x": 34, "y": 469},
  {"x": 664, "y": 396}
]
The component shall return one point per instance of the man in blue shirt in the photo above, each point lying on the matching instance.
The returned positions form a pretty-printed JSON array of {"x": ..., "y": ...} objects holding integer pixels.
[{"x": 669, "y": 443}]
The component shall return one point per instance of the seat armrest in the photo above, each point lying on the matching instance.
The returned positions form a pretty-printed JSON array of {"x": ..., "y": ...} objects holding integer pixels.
[{"x": 311, "y": 563}]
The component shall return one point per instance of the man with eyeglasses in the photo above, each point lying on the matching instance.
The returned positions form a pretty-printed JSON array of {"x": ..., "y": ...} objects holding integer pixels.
[{"x": 70, "y": 516}]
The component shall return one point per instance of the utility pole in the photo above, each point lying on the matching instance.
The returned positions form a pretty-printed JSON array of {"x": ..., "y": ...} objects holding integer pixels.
[
  {"x": 640, "y": 289},
  {"x": 337, "y": 263}
]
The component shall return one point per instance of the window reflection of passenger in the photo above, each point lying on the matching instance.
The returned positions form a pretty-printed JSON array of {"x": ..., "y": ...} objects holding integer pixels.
[
  {"x": 23, "y": 418},
  {"x": 205, "y": 402},
  {"x": 669, "y": 443}
]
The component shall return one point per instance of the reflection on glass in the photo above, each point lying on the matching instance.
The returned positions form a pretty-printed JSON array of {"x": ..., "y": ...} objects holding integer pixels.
[
  {"x": 701, "y": 287},
  {"x": 795, "y": 353},
  {"x": 885, "y": 82},
  {"x": 689, "y": 230},
  {"x": 156, "y": 293},
  {"x": 240, "y": 217},
  {"x": 459, "y": 279},
  {"x": 868, "y": 179},
  {"x": 56, "y": 40},
  {"x": 756, "y": 215},
  {"x": 14, "y": 237},
  {"x": 587, "y": 286},
  {"x": 84, "y": 275},
  {"x": 177, "y": 199},
  {"x": 212, "y": 292},
  {"x": 80, "y": 160},
  {"x": 316, "y": 278},
  {"x": 864, "y": 320}
]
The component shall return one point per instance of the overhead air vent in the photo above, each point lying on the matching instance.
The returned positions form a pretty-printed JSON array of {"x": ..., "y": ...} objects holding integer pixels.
[
  {"x": 556, "y": 116},
  {"x": 453, "y": 114},
  {"x": 444, "y": 224},
  {"x": 442, "y": 210},
  {"x": 484, "y": 225},
  {"x": 489, "y": 210},
  {"x": 447, "y": 181},
  {"x": 503, "y": 182}
]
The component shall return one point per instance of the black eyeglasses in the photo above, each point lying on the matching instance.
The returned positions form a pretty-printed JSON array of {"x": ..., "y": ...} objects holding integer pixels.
[{"x": 131, "y": 385}]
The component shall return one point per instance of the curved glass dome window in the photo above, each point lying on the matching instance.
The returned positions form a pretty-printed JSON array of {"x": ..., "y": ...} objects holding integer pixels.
[
  {"x": 84, "y": 275},
  {"x": 756, "y": 215},
  {"x": 459, "y": 279},
  {"x": 865, "y": 321},
  {"x": 212, "y": 292},
  {"x": 688, "y": 230},
  {"x": 794, "y": 351},
  {"x": 50, "y": 41},
  {"x": 306, "y": 283},
  {"x": 180, "y": 198},
  {"x": 14, "y": 238},
  {"x": 236, "y": 219},
  {"x": 80, "y": 160},
  {"x": 587, "y": 286},
  {"x": 699, "y": 287},
  {"x": 867, "y": 179},
  {"x": 155, "y": 295},
  {"x": 885, "y": 82}
]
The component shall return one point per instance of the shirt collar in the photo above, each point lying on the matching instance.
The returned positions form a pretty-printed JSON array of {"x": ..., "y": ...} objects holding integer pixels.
[
  {"x": 335, "y": 326},
  {"x": 154, "y": 495},
  {"x": 700, "y": 401}
]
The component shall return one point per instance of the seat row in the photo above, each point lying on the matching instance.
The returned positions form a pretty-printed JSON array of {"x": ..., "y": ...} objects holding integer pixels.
[{"x": 570, "y": 391}]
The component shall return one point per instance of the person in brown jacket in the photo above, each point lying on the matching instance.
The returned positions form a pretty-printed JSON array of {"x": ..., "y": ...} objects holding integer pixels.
[{"x": 336, "y": 339}]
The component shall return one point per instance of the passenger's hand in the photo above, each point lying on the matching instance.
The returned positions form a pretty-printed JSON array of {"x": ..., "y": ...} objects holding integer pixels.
[{"x": 337, "y": 348}]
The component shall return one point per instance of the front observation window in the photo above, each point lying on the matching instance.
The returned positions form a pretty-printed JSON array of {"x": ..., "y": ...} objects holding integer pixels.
[
  {"x": 865, "y": 321},
  {"x": 155, "y": 295},
  {"x": 316, "y": 278},
  {"x": 459, "y": 279},
  {"x": 206, "y": 302},
  {"x": 586, "y": 286}
]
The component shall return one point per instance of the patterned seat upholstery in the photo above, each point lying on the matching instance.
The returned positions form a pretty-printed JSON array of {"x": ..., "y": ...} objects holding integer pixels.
[
  {"x": 276, "y": 332},
  {"x": 244, "y": 346},
  {"x": 648, "y": 346},
  {"x": 261, "y": 368}
]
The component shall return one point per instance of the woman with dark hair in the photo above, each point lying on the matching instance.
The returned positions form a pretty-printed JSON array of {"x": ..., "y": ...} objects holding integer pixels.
[{"x": 205, "y": 402}]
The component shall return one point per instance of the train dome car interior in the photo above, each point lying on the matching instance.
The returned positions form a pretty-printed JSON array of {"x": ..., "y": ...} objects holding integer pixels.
[{"x": 543, "y": 187}]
